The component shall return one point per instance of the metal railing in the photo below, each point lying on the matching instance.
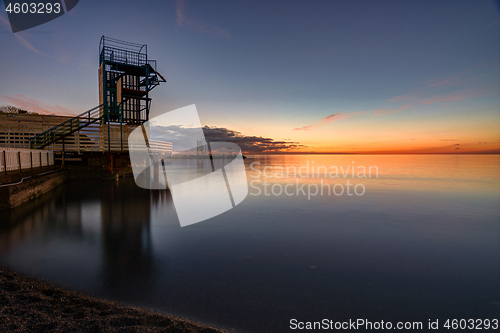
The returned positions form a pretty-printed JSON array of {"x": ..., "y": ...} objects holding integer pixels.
[
  {"x": 68, "y": 127},
  {"x": 111, "y": 54}
]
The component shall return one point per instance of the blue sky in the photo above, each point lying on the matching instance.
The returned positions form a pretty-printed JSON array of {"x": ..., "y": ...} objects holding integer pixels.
[{"x": 361, "y": 75}]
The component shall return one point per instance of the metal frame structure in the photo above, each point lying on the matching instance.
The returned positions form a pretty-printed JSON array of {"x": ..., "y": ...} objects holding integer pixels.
[{"x": 126, "y": 76}]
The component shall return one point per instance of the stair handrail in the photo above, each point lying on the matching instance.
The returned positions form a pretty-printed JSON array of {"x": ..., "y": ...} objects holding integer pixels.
[{"x": 82, "y": 116}]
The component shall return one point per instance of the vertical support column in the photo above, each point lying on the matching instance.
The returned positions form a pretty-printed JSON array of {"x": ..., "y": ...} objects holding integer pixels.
[
  {"x": 4, "y": 162},
  {"x": 63, "y": 157},
  {"x": 109, "y": 135},
  {"x": 40, "y": 162},
  {"x": 19, "y": 160},
  {"x": 121, "y": 127},
  {"x": 78, "y": 142},
  {"x": 31, "y": 159},
  {"x": 109, "y": 163},
  {"x": 146, "y": 82}
]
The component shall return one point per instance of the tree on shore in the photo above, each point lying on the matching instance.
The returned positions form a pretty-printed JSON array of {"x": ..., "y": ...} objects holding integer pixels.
[{"x": 13, "y": 109}]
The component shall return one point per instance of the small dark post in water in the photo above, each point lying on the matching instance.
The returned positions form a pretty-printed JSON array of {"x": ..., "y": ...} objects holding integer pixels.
[
  {"x": 31, "y": 159},
  {"x": 210, "y": 155},
  {"x": 40, "y": 162},
  {"x": 156, "y": 171},
  {"x": 148, "y": 170},
  {"x": 19, "y": 159}
]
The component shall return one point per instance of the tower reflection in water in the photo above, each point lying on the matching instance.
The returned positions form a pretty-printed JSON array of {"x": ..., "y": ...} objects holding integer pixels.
[
  {"x": 127, "y": 252},
  {"x": 116, "y": 215}
]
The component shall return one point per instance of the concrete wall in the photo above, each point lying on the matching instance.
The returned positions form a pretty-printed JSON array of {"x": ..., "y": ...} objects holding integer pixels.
[{"x": 15, "y": 194}]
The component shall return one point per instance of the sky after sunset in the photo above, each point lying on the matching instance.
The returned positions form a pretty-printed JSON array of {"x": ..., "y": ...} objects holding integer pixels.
[{"x": 284, "y": 76}]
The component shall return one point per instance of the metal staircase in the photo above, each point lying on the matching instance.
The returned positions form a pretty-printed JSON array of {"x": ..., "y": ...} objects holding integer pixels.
[{"x": 66, "y": 128}]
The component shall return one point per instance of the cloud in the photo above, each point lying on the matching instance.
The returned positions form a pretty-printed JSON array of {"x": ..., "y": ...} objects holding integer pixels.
[
  {"x": 464, "y": 77},
  {"x": 463, "y": 95},
  {"x": 496, "y": 22},
  {"x": 30, "y": 104},
  {"x": 182, "y": 138},
  {"x": 386, "y": 112},
  {"x": 30, "y": 47},
  {"x": 456, "y": 79},
  {"x": 21, "y": 40},
  {"x": 406, "y": 97},
  {"x": 445, "y": 99},
  {"x": 414, "y": 98},
  {"x": 205, "y": 28},
  {"x": 5, "y": 23},
  {"x": 248, "y": 144},
  {"x": 457, "y": 87},
  {"x": 328, "y": 119}
]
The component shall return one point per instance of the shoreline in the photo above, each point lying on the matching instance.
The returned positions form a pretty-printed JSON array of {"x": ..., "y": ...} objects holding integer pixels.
[{"x": 29, "y": 304}]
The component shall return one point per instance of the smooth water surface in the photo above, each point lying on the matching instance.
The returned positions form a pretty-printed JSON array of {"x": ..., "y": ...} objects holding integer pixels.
[{"x": 420, "y": 241}]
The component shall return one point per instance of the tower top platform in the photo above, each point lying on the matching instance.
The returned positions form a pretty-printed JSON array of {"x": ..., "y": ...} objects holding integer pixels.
[{"x": 121, "y": 52}]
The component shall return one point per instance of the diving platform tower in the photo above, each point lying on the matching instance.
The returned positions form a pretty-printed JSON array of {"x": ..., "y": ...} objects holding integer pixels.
[{"x": 126, "y": 76}]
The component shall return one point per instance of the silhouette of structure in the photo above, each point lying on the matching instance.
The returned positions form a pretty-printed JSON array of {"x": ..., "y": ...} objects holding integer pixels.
[{"x": 126, "y": 76}]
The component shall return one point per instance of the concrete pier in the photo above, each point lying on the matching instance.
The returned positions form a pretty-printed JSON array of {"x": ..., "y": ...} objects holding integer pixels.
[
  {"x": 29, "y": 187},
  {"x": 19, "y": 186}
]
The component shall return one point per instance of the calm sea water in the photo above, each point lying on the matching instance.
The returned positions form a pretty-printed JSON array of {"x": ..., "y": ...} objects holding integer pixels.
[{"x": 418, "y": 240}]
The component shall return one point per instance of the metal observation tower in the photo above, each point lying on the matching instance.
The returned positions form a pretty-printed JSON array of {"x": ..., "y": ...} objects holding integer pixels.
[{"x": 126, "y": 76}]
